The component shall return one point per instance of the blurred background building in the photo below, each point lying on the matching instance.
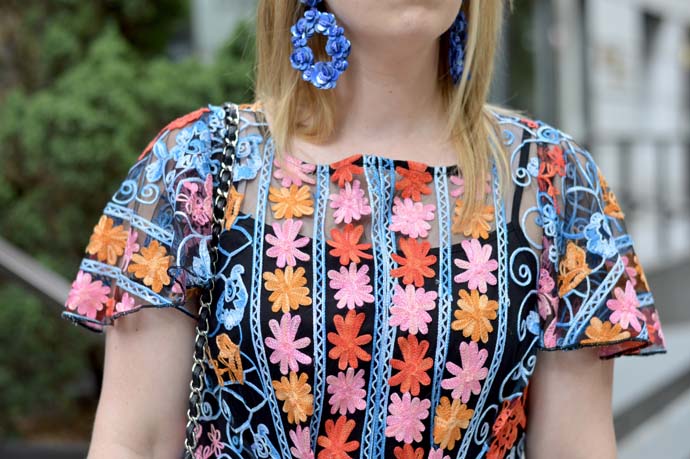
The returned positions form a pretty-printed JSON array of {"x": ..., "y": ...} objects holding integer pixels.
[{"x": 615, "y": 74}]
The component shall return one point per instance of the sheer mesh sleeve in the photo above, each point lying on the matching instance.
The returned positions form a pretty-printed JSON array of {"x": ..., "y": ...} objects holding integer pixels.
[
  {"x": 592, "y": 289},
  {"x": 149, "y": 246}
]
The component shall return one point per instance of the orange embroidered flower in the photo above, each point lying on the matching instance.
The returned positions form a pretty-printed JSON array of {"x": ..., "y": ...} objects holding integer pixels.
[
  {"x": 287, "y": 289},
  {"x": 229, "y": 360},
  {"x": 414, "y": 181},
  {"x": 107, "y": 242},
  {"x": 612, "y": 208},
  {"x": 572, "y": 269},
  {"x": 603, "y": 332},
  {"x": 347, "y": 342},
  {"x": 414, "y": 266},
  {"x": 449, "y": 421},
  {"x": 291, "y": 202},
  {"x": 529, "y": 123},
  {"x": 345, "y": 170},
  {"x": 232, "y": 208},
  {"x": 477, "y": 226},
  {"x": 109, "y": 307},
  {"x": 151, "y": 264},
  {"x": 346, "y": 244},
  {"x": 335, "y": 443},
  {"x": 475, "y": 315},
  {"x": 408, "y": 452},
  {"x": 506, "y": 427},
  {"x": 640, "y": 273},
  {"x": 296, "y": 396},
  {"x": 412, "y": 370},
  {"x": 551, "y": 164}
]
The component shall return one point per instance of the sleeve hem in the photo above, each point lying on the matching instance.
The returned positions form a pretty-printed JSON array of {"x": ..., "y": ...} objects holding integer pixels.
[
  {"x": 612, "y": 349},
  {"x": 99, "y": 326}
]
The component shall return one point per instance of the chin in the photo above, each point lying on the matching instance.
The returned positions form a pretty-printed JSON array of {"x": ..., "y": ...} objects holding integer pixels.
[{"x": 395, "y": 19}]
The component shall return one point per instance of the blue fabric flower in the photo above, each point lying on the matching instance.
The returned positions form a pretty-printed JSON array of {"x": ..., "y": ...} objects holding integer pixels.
[
  {"x": 302, "y": 58},
  {"x": 322, "y": 75},
  {"x": 324, "y": 23},
  {"x": 338, "y": 47}
]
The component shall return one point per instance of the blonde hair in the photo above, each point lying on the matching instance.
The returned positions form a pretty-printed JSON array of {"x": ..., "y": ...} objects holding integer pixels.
[{"x": 298, "y": 109}]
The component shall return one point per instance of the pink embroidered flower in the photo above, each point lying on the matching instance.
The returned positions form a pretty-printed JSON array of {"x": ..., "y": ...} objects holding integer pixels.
[
  {"x": 467, "y": 378},
  {"x": 350, "y": 203},
  {"x": 550, "y": 338},
  {"x": 410, "y": 217},
  {"x": 478, "y": 267},
  {"x": 285, "y": 246},
  {"x": 352, "y": 285},
  {"x": 126, "y": 303},
  {"x": 410, "y": 306},
  {"x": 625, "y": 307},
  {"x": 630, "y": 270},
  {"x": 293, "y": 170},
  {"x": 459, "y": 182},
  {"x": 435, "y": 453},
  {"x": 203, "y": 452},
  {"x": 87, "y": 296},
  {"x": 300, "y": 438},
  {"x": 131, "y": 247},
  {"x": 405, "y": 419},
  {"x": 216, "y": 444},
  {"x": 347, "y": 391},
  {"x": 546, "y": 302},
  {"x": 286, "y": 349},
  {"x": 197, "y": 203}
]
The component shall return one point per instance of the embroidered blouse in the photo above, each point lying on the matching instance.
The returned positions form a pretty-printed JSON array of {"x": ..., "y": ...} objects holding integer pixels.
[{"x": 355, "y": 316}]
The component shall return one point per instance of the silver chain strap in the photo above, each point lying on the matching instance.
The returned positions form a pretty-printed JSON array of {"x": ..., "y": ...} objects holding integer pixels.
[{"x": 231, "y": 121}]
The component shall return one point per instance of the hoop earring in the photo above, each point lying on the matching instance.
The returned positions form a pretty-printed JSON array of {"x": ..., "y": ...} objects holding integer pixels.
[
  {"x": 458, "y": 44},
  {"x": 323, "y": 75}
]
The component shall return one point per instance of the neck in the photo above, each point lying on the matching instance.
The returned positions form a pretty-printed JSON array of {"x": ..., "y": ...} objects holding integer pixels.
[{"x": 389, "y": 91}]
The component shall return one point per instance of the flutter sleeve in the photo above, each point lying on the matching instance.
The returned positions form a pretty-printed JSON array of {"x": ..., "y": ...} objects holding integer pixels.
[
  {"x": 149, "y": 246},
  {"x": 592, "y": 289}
]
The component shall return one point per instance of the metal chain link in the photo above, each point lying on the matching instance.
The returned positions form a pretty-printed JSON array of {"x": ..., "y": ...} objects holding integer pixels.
[{"x": 231, "y": 121}]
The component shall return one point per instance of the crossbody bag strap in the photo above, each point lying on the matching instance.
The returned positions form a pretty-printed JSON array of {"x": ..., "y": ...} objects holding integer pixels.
[{"x": 220, "y": 200}]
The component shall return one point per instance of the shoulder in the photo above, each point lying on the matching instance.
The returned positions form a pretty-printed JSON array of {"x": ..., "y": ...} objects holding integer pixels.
[
  {"x": 191, "y": 145},
  {"x": 555, "y": 158}
]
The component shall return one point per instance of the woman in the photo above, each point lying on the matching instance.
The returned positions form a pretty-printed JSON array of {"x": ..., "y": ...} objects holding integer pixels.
[{"x": 395, "y": 255}]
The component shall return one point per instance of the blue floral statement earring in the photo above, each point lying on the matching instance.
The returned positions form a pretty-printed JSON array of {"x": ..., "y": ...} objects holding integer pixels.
[
  {"x": 323, "y": 75},
  {"x": 456, "y": 50}
]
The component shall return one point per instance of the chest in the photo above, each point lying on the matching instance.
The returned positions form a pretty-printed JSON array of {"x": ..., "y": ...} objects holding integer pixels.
[{"x": 333, "y": 305}]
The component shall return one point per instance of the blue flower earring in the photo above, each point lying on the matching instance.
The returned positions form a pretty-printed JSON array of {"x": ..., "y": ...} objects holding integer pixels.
[
  {"x": 323, "y": 75},
  {"x": 456, "y": 50}
]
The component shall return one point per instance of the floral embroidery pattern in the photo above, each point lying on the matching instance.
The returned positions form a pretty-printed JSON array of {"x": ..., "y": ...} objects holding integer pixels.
[
  {"x": 285, "y": 245},
  {"x": 479, "y": 267},
  {"x": 345, "y": 325},
  {"x": 151, "y": 264},
  {"x": 107, "y": 242},
  {"x": 296, "y": 395},
  {"x": 286, "y": 349},
  {"x": 287, "y": 289},
  {"x": 87, "y": 296},
  {"x": 466, "y": 380},
  {"x": 474, "y": 315},
  {"x": 347, "y": 342}
]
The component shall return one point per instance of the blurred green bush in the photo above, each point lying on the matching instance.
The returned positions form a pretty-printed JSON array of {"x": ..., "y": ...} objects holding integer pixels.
[{"x": 70, "y": 129}]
